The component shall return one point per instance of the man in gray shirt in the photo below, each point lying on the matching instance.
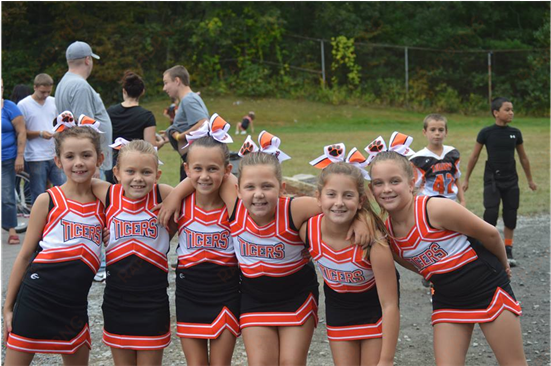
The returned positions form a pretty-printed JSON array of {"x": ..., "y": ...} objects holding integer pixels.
[
  {"x": 191, "y": 112},
  {"x": 74, "y": 94}
]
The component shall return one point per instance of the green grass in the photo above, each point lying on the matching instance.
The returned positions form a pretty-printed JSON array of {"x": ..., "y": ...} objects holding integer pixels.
[{"x": 305, "y": 127}]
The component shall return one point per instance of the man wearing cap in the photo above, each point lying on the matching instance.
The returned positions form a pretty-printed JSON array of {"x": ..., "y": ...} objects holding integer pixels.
[{"x": 74, "y": 94}]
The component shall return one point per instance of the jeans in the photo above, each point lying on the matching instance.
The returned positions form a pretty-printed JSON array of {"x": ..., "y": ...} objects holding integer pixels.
[
  {"x": 9, "y": 211},
  {"x": 40, "y": 172}
]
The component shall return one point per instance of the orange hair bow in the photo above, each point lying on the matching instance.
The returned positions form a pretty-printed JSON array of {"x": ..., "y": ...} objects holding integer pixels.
[
  {"x": 269, "y": 144},
  {"x": 336, "y": 153},
  {"x": 399, "y": 143}
]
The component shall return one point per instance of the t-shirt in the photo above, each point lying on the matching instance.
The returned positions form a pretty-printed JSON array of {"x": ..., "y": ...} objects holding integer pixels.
[
  {"x": 9, "y": 138},
  {"x": 501, "y": 142},
  {"x": 191, "y": 110},
  {"x": 73, "y": 93},
  {"x": 130, "y": 122},
  {"x": 39, "y": 117}
]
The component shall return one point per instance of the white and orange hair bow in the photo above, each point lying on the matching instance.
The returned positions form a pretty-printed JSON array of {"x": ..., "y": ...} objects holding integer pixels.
[
  {"x": 269, "y": 144},
  {"x": 399, "y": 143},
  {"x": 335, "y": 153},
  {"x": 66, "y": 120},
  {"x": 216, "y": 127},
  {"x": 120, "y": 142}
]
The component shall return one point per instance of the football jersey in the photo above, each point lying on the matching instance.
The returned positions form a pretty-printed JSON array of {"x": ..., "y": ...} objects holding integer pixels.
[
  {"x": 69, "y": 250},
  {"x": 204, "y": 236},
  {"x": 429, "y": 250},
  {"x": 272, "y": 250},
  {"x": 344, "y": 270},
  {"x": 436, "y": 175},
  {"x": 136, "y": 256}
]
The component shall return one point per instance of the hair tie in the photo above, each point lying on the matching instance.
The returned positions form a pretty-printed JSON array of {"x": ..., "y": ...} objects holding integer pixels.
[
  {"x": 216, "y": 127},
  {"x": 120, "y": 142},
  {"x": 335, "y": 154},
  {"x": 399, "y": 143},
  {"x": 269, "y": 144},
  {"x": 66, "y": 120}
]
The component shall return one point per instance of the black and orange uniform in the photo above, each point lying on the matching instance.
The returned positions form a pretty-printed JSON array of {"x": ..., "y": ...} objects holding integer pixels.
[
  {"x": 470, "y": 284},
  {"x": 353, "y": 310},
  {"x": 500, "y": 173},
  {"x": 135, "y": 303},
  {"x": 51, "y": 309},
  {"x": 279, "y": 286},
  {"x": 207, "y": 278}
]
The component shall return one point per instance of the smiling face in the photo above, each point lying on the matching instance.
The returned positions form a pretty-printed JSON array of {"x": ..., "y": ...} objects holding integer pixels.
[
  {"x": 137, "y": 172},
  {"x": 435, "y": 132},
  {"x": 391, "y": 186},
  {"x": 170, "y": 86},
  {"x": 259, "y": 190},
  {"x": 78, "y": 159},
  {"x": 339, "y": 199},
  {"x": 206, "y": 169}
]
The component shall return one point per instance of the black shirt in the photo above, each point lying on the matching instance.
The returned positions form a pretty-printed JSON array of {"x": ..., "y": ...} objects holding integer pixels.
[
  {"x": 129, "y": 123},
  {"x": 501, "y": 142}
]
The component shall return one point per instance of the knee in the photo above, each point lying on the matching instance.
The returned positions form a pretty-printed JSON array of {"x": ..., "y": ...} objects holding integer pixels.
[
  {"x": 490, "y": 215},
  {"x": 510, "y": 218}
]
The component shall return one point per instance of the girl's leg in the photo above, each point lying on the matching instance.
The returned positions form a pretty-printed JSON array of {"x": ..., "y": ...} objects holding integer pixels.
[
  {"x": 505, "y": 337},
  {"x": 345, "y": 353},
  {"x": 371, "y": 351},
  {"x": 221, "y": 349},
  {"x": 196, "y": 351},
  {"x": 294, "y": 343},
  {"x": 124, "y": 357},
  {"x": 80, "y": 357},
  {"x": 17, "y": 358},
  {"x": 150, "y": 358},
  {"x": 451, "y": 342},
  {"x": 262, "y": 345}
]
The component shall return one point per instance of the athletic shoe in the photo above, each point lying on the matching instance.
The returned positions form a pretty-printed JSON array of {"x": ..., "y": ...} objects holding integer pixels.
[
  {"x": 100, "y": 276},
  {"x": 510, "y": 259},
  {"x": 243, "y": 132}
]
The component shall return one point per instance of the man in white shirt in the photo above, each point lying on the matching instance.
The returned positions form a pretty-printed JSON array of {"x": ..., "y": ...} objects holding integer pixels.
[{"x": 39, "y": 111}]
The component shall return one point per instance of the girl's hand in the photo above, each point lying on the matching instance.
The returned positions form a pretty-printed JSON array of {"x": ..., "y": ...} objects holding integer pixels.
[
  {"x": 8, "y": 316},
  {"x": 508, "y": 270},
  {"x": 106, "y": 236},
  {"x": 358, "y": 234},
  {"x": 169, "y": 209}
]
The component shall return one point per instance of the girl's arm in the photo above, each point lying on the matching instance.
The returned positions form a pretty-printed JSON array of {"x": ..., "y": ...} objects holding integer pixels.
[
  {"x": 228, "y": 192},
  {"x": 387, "y": 289},
  {"x": 526, "y": 166},
  {"x": 404, "y": 263},
  {"x": 471, "y": 164},
  {"x": 460, "y": 194},
  {"x": 100, "y": 189},
  {"x": 449, "y": 215},
  {"x": 173, "y": 202},
  {"x": 302, "y": 208},
  {"x": 37, "y": 221},
  {"x": 165, "y": 190}
]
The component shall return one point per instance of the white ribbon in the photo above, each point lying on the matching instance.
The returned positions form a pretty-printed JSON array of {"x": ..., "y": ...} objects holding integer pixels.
[
  {"x": 269, "y": 144},
  {"x": 66, "y": 120},
  {"x": 335, "y": 154},
  {"x": 216, "y": 127},
  {"x": 399, "y": 143},
  {"x": 120, "y": 142}
]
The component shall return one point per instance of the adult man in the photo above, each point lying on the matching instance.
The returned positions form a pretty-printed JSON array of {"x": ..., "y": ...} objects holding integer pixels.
[
  {"x": 39, "y": 111},
  {"x": 191, "y": 112},
  {"x": 74, "y": 94}
]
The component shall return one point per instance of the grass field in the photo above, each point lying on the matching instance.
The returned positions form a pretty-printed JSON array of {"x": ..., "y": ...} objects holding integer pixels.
[{"x": 305, "y": 127}]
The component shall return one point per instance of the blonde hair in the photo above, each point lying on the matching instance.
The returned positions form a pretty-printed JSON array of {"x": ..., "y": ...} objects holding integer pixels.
[
  {"x": 398, "y": 158},
  {"x": 434, "y": 117},
  {"x": 260, "y": 158},
  {"x": 373, "y": 221},
  {"x": 140, "y": 146}
]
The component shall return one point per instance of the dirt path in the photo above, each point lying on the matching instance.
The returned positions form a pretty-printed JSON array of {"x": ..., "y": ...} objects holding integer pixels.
[{"x": 530, "y": 283}]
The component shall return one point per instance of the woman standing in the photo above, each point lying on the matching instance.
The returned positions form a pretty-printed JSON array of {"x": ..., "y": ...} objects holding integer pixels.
[
  {"x": 14, "y": 137},
  {"x": 129, "y": 120}
]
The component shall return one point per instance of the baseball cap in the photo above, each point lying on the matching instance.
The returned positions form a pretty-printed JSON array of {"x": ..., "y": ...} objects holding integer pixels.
[{"x": 78, "y": 50}]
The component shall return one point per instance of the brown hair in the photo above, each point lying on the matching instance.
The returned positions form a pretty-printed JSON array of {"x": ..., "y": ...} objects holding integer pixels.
[
  {"x": 209, "y": 142},
  {"x": 43, "y": 80},
  {"x": 79, "y": 132},
  {"x": 398, "y": 158},
  {"x": 140, "y": 146},
  {"x": 260, "y": 158},
  {"x": 180, "y": 72},
  {"x": 133, "y": 84},
  {"x": 366, "y": 213},
  {"x": 434, "y": 117}
]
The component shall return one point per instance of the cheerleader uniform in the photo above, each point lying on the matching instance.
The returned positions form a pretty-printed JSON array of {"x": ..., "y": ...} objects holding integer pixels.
[
  {"x": 352, "y": 304},
  {"x": 279, "y": 286},
  {"x": 51, "y": 309},
  {"x": 207, "y": 278},
  {"x": 470, "y": 284},
  {"x": 135, "y": 302}
]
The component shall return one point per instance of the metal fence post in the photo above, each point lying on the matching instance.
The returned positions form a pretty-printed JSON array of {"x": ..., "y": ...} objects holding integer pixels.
[
  {"x": 407, "y": 76},
  {"x": 490, "y": 78},
  {"x": 322, "y": 62}
]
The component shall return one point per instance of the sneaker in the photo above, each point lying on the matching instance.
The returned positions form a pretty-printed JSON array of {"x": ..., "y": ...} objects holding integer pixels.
[
  {"x": 243, "y": 132},
  {"x": 510, "y": 259},
  {"x": 100, "y": 276}
]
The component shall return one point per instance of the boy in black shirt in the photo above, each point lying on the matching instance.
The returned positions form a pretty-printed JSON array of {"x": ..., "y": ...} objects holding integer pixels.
[{"x": 500, "y": 174}]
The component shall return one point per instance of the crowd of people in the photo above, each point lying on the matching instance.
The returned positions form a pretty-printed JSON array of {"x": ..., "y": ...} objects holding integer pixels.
[{"x": 246, "y": 252}]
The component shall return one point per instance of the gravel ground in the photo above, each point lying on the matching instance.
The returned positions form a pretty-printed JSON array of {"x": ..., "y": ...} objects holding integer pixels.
[{"x": 530, "y": 283}]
